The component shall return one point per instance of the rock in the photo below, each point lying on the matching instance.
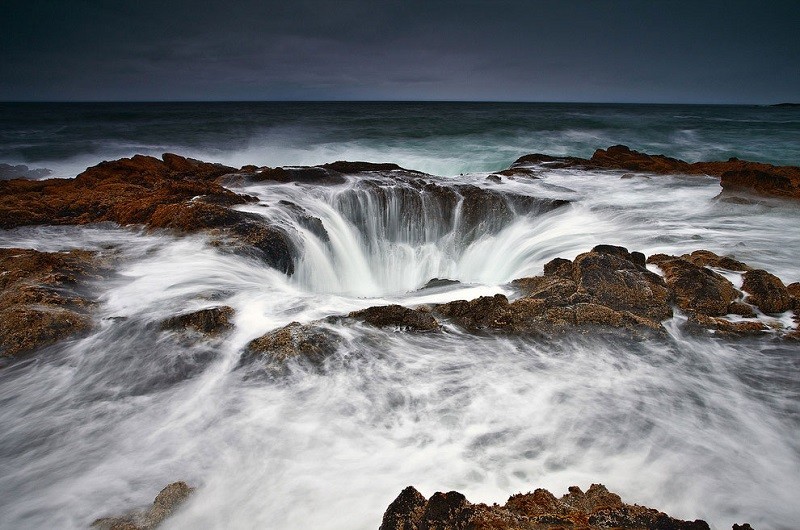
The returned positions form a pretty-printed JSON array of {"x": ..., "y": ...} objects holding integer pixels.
[
  {"x": 742, "y": 309},
  {"x": 766, "y": 291},
  {"x": 494, "y": 178},
  {"x": 175, "y": 193},
  {"x": 402, "y": 513},
  {"x": 607, "y": 287},
  {"x": 166, "y": 502},
  {"x": 484, "y": 313},
  {"x": 211, "y": 321},
  {"x": 695, "y": 288},
  {"x": 397, "y": 316},
  {"x": 350, "y": 168},
  {"x": 596, "y": 509},
  {"x": 41, "y": 301},
  {"x": 433, "y": 283},
  {"x": 613, "y": 277},
  {"x": 706, "y": 258},
  {"x": 699, "y": 323},
  {"x": 734, "y": 174},
  {"x": 310, "y": 341}
]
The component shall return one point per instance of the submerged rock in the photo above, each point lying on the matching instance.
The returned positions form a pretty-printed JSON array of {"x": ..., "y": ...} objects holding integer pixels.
[
  {"x": 166, "y": 502},
  {"x": 41, "y": 298},
  {"x": 595, "y": 509}
]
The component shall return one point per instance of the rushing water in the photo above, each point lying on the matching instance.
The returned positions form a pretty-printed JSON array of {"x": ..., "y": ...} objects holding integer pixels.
[{"x": 696, "y": 427}]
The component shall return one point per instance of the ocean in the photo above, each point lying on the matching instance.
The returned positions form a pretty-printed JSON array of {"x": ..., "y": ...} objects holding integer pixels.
[{"x": 695, "y": 426}]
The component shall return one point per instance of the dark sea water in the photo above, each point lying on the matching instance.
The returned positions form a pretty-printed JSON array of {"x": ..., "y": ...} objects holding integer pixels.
[
  {"x": 695, "y": 426},
  {"x": 439, "y": 138}
]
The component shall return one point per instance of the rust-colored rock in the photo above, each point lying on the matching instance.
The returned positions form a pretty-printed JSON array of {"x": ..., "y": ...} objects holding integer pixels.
[
  {"x": 175, "y": 193},
  {"x": 40, "y": 297},
  {"x": 607, "y": 287},
  {"x": 166, "y": 502},
  {"x": 695, "y": 288},
  {"x": 397, "y": 316},
  {"x": 766, "y": 291},
  {"x": 595, "y": 509},
  {"x": 734, "y": 174},
  {"x": 706, "y": 258},
  {"x": 212, "y": 321}
]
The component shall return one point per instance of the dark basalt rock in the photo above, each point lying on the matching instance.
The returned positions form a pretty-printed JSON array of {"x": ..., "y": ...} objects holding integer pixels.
[
  {"x": 439, "y": 282},
  {"x": 766, "y": 291},
  {"x": 345, "y": 167},
  {"x": 212, "y": 321},
  {"x": 594, "y": 510},
  {"x": 166, "y": 502},
  {"x": 41, "y": 298},
  {"x": 397, "y": 316}
]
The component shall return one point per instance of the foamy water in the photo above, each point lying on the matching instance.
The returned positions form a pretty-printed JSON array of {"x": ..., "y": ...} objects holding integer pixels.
[{"x": 695, "y": 427}]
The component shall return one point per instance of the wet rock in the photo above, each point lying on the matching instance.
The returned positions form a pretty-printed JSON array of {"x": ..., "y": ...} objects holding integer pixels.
[
  {"x": 699, "y": 323},
  {"x": 735, "y": 175},
  {"x": 397, "y": 316},
  {"x": 350, "y": 168},
  {"x": 166, "y": 502},
  {"x": 175, "y": 193},
  {"x": 596, "y": 509},
  {"x": 742, "y": 309},
  {"x": 613, "y": 277},
  {"x": 439, "y": 282},
  {"x": 212, "y": 321},
  {"x": 480, "y": 314},
  {"x": 766, "y": 291},
  {"x": 404, "y": 512},
  {"x": 696, "y": 288},
  {"x": 607, "y": 287},
  {"x": 310, "y": 341},
  {"x": 41, "y": 298},
  {"x": 494, "y": 178},
  {"x": 706, "y": 258}
]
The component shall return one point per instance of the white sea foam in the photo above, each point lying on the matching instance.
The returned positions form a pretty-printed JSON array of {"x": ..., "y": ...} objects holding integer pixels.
[{"x": 692, "y": 426}]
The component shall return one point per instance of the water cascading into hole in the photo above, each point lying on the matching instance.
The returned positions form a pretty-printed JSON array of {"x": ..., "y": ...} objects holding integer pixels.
[{"x": 374, "y": 238}]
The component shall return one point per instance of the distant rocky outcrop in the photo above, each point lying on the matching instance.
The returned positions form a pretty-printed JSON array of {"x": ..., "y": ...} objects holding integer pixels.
[
  {"x": 595, "y": 509},
  {"x": 43, "y": 297},
  {"x": 166, "y": 502},
  {"x": 734, "y": 174}
]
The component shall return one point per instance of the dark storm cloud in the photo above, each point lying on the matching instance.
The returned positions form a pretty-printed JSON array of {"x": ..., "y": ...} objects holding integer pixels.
[{"x": 602, "y": 50}]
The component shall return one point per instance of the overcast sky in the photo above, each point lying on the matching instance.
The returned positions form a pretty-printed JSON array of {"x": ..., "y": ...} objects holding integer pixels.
[{"x": 502, "y": 50}]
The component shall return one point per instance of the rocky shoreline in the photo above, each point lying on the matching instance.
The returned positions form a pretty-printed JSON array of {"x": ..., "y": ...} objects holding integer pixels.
[
  {"x": 595, "y": 509},
  {"x": 608, "y": 290}
]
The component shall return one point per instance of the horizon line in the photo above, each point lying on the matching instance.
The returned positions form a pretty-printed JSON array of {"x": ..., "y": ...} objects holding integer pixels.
[{"x": 543, "y": 102}]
